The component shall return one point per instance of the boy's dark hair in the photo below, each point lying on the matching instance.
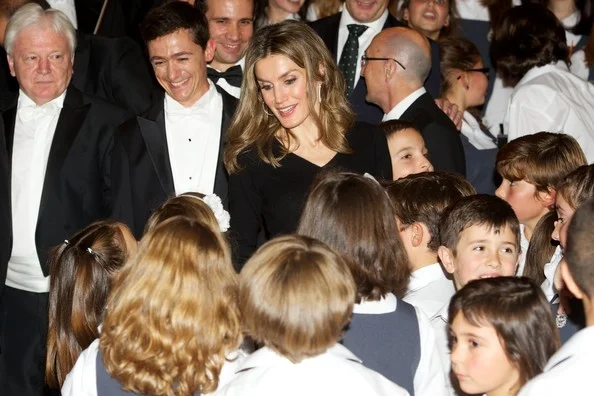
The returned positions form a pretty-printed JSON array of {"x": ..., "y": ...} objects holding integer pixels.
[
  {"x": 394, "y": 126},
  {"x": 520, "y": 314},
  {"x": 422, "y": 198},
  {"x": 519, "y": 44},
  {"x": 173, "y": 16},
  {"x": 481, "y": 209},
  {"x": 579, "y": 251},
  {"x": 578, "y": 186},
  {"x": 542, "y": 159}
]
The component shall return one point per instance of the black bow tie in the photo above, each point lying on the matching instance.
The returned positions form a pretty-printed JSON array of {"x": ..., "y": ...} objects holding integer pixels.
[{"x": 233, "y": 75}]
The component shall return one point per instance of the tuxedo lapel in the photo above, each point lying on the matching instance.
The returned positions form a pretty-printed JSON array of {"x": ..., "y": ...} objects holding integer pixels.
[
  {"x": 153, "y": 132},
  {"x": 9, "y": 117},
  {"x": 73, "y": 115}
]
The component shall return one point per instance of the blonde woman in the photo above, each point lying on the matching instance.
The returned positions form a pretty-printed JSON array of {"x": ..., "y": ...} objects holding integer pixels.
[
  {"x": 172, "y": 326},
  {"x": 293, "y": 121}
]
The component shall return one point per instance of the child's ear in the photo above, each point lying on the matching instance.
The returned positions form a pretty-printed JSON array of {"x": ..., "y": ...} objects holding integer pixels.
[
  {"x": 548, "y": 197},
  {"x": 447, "y": 258},
  {"x": 569, "y": 281},
  {"x": 417, "y": 234}
]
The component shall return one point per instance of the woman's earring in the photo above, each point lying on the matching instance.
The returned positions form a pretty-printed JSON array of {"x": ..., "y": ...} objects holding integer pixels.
[{"x": 265, "y": 108}]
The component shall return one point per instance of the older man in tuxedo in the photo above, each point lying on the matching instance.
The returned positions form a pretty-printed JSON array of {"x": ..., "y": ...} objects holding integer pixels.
[
  {"x": 55, "y": 146},
  {"x": 177, "y": 145}
]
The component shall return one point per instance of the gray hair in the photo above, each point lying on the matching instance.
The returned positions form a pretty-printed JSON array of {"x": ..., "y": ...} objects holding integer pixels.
[
  {"x": 415, "y": 59},
  {"x": 33, "y": 14}
]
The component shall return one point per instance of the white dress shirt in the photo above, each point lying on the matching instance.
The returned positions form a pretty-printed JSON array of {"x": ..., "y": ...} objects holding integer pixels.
[
  {"x": 548, "y": 285},
  {"x": 524, "y": 245},
  {"x": 193, "y": 140},
  {"x": 82, "y": 379},
  {"x": 440, "y": 326},
  {"x": 33, "y": 134},
  {"x": 373, "y": 28},
  {"x": 67, "y": 7},
  {"x": 472, "y": 130},
  {"x": 403, "y": 105},
  {"x": 428, "y": 289},
  {"x": 429, "y": 379},
  {"x": 569, "y": 371},
  {"x": 230, "y": 89},
  {"x": 550, "y": 98},
  {"x": 335, "y": 372}
]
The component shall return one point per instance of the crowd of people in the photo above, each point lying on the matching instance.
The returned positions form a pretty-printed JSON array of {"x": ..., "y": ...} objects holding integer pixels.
[{"x": 264, "y": 197}]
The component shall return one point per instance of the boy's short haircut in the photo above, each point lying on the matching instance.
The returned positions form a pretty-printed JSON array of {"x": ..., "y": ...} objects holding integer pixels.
[
  {"x": 296, "y": 296},
  {"x": 578, "y": 186},
  {"x": 481, "y": 210},
  {"x": 542, "y": 159},
  {"x": 579, "y": 251},
  {"x": 394, "y": 126},
  {"x": 422, "y": 198}
]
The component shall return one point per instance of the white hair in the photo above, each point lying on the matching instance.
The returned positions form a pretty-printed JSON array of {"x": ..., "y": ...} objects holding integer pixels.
[{"x": 33, "y": 14}]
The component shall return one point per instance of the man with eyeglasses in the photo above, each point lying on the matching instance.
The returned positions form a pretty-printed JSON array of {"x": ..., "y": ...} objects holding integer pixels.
[
  {"x": 394, "y": 66},
  {"x": 347, "y": 35}
]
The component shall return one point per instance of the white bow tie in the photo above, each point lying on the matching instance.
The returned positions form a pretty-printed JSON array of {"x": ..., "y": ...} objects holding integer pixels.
[{"x": 28, "y": 114}]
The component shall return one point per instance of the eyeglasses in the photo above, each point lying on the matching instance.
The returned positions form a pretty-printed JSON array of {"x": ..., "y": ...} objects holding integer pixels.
[
  {"x": 481, "y": 70},
  {"x": 365, "y": 59}
]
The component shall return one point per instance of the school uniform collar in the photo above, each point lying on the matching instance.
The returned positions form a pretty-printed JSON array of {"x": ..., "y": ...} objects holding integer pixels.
[
  {"x": 403, "y": 105},
  {"x": 384, "y": 305},
  {"x": 267, "y": 357},
  {"x": 581, "y": 342},
  {"x": 540, "y": 70},
  {"x": 423, "y": 276}
]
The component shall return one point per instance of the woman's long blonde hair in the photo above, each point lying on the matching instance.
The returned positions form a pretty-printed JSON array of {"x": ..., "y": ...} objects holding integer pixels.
[
  {"x": 172, "y": 315},
  {"x": 254, "y": 127}
]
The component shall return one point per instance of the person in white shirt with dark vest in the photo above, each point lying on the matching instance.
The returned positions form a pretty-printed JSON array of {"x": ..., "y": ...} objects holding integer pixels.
[
  {"x": 231, "y": 25},
  {"x": 569, "y": 371},
  {"x": 532, "y": 57},
  {"x": 55, "y": 147},
  {"x": 176, "y": 146}
]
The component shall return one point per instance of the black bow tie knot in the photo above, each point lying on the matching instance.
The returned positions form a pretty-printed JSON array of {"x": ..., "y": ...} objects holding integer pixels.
[{"x": 232, "y": 75}]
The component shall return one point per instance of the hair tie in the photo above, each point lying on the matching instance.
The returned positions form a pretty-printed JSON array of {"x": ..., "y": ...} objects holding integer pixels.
[{"x": 216, "y": 206}]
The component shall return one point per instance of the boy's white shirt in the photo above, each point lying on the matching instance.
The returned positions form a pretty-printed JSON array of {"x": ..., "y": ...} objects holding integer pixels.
[
  {"x": 82, "y": 380},
  {"x": 336, "y": 371},
  {"x": 429, "y": 379},
  {"x": 548, "y": 285},
  {"x": 569, "y": 371},
  {"x": 428, "y": 289},
  {"x": 524, "y": 245}
]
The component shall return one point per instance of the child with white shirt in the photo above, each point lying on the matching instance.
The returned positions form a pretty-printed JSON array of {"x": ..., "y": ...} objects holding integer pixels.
[
  {"x": 501, "y": 335},
  {"x": 569, "y": 371},
  {"x": 419, "y": 201},
  {"x": 479, "y": 238},
  {"x": 296, "y": 297},
  {"x": 354, "y": 216},
  {"x": 531, "y": 167}
]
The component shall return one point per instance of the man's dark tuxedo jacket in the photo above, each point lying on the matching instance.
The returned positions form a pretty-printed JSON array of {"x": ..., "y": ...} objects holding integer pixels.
[
  {"x": 327, "y": 29},
  {"x": 141, "y": 168},
  {"x": 114, "y": 69},
  {"x": 76, "y": 188},
  {"x": 442, "y": 139}
]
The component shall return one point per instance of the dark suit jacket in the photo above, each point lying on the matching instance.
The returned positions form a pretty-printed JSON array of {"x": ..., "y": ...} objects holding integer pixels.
[
  {"x": 327, "y": 29},
  {"x": 141, "y": 169},
  {"x": 76, "y": 189},
  {"x": 442, "y": 139}
]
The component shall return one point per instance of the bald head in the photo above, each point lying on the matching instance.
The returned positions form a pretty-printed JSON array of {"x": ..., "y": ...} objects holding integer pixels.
[{"x": 410, "y": 47}]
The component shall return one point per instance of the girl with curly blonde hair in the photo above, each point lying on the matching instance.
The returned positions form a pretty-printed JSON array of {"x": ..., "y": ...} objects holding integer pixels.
[{"x": 172, "y": 326}]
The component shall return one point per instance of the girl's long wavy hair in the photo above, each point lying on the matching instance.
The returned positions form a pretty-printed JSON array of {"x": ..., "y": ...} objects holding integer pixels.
[
  {"x": 80, "y": 280},
  {"x": 172, "y": 315},
  {"x": 254, "y": 127}
]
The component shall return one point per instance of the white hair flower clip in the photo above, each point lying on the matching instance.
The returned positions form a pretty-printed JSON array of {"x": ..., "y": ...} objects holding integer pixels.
[{"x": 216, "y": 205}]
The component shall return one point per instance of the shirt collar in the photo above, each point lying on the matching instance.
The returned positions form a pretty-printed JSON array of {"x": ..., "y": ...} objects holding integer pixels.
[
  {"x": 376, "y": 26},
  {"x": 26, "y": 101},
  {"x": 172, "y": 106},
  {"x": 540, "y": 70},
  {"x": 423, "y": 276},
  {"x": 384, "y": 305},
  {"x": 579, "y": 343},
  {"x": 240, "y": 63},
  {"x": 267, "y": 357},
  {"x": 403, "y": 105}
]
